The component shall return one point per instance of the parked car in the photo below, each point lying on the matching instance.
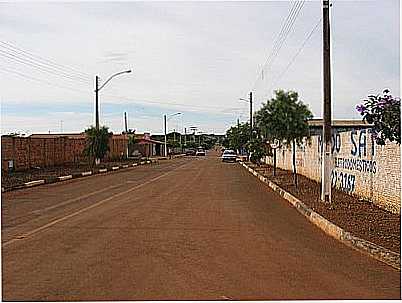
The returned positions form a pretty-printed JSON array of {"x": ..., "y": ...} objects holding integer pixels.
[
  {"x": 136, "y": 155},
  {"x": 241, "y": 158},
  {"x": 229, "y": 156},
  {"x": 200, "y": 152}
]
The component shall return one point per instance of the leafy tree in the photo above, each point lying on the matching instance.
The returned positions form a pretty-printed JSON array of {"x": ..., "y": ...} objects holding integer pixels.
[
  {"x": 238, "y": 136},
  {"x": 284, "y": 118},
  {"x": 191, "y": 144},
  {"x": 384, "y": 112},
  {"x": 256, "y": 148},
  {"x": 97, "y": 143}
]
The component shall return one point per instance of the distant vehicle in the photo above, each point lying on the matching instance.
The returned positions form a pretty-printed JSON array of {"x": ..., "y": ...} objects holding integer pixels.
[
  {"x": 229, "y": 156},
  {"x": 136, "y": 155},
  {"x": 190, "y": 152},
  {"x": 200, "y": 152}
]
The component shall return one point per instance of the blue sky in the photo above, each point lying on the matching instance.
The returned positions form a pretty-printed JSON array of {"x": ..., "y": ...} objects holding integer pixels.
[{"x": 200, "y": 56}]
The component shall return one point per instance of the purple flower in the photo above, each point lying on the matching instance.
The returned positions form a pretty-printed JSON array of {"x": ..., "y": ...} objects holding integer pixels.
[
  {"x": 360, "y": 108},
  {"x": 382, "y": 103}
]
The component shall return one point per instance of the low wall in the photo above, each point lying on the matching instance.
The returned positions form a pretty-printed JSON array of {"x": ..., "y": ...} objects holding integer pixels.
[
  {"x": 359, "y": 166},
  {"x": 29, "y": 152}
]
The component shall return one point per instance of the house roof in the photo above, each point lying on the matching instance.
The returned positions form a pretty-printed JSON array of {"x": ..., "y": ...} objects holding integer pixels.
[
  {"x": 145, "y": 141},
  {"x": 339, "y": 123}
]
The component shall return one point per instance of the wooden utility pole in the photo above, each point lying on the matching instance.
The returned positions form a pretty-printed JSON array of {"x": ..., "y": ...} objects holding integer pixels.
[
  {"x": 125, "y": 122},
  {"x": 164, "y": 127},
  {"x": 251, "y": 116},
  {"x": 97, "y": 102},
  {"x": 326, "y": 147}
]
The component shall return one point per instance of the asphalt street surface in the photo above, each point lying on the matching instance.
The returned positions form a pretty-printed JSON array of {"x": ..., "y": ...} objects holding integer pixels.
[{"x": 184, "y": 229}]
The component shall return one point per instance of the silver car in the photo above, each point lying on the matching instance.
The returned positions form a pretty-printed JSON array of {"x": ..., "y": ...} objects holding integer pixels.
[{"x": 229, "y": 156}]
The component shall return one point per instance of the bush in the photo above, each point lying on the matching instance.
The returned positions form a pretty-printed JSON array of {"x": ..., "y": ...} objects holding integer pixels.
[{"x": 384, "y": 112}]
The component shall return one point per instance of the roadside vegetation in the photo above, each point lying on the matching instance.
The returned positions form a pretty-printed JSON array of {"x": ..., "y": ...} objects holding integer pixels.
[{"x": 97, "y": 143}]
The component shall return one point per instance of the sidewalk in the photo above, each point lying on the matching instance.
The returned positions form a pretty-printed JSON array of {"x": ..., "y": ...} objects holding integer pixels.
[
  {"x": 50, "y": 174},
  {"x": 361, "y": 218}
]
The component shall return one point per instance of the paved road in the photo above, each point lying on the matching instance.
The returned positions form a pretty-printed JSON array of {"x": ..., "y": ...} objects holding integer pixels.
[{"x": 183, "y": 229}]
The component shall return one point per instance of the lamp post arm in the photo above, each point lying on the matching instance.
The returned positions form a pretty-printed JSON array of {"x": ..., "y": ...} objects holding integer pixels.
[{"x": 111, "y": 77}]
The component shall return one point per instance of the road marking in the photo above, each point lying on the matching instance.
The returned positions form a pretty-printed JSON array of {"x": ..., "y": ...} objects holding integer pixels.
[{"x": 36, "y": 230}]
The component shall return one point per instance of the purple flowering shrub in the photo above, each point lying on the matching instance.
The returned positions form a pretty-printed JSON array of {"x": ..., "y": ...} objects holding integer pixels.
[{"x": 384, "y": 112}]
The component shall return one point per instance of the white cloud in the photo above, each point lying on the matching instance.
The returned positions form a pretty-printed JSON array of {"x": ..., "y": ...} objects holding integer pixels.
[{"x": 200, "y": 54}]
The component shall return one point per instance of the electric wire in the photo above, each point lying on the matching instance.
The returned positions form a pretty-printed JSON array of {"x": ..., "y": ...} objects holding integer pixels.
[
  {"x": 41, "y": 68},
  {"x": 19, "y": 50},
  {"x": 286, "y": 28},
  {"x": 292, "y": 60},
  {"x": 170, "y": 103},
  {"x": 5, "y": 69}
]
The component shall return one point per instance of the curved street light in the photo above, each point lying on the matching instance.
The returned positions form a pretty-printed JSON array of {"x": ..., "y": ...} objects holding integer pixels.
[{"x": 97, "y": 89}]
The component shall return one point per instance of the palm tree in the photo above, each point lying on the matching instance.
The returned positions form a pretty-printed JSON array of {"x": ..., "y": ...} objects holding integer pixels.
[{"x": 97, "y": 143}]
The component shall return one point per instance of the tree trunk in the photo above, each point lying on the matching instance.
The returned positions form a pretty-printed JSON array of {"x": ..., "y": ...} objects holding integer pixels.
[
  {"x": 294, "y": 163},
  {"x": 274, "y": 162}
]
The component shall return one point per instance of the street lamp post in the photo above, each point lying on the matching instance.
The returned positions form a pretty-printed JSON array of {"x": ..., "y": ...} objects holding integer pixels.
[
  {"x": 251, "y": 112},
  {"x": 165, "y": 118},
  {"x": 97, "y": 89}
]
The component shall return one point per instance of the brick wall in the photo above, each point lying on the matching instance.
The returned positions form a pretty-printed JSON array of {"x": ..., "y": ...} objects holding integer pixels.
[
  {"x": 360, "y": 167},
  {"x": 46, "y": 152}
]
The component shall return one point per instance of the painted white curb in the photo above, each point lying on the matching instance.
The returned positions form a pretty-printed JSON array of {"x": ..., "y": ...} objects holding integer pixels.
[
  {"x": 87, "y": 173},
  {"x": 34, "y": 183},
  {"x": 103, "y": 170},
  {"x": 375, "y": 251},
  {"x": 65, "y": 177}
]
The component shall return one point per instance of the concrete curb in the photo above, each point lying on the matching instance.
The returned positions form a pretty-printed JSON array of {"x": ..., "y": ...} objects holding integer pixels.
[
  {"x": 375, "y": 251},
  {"x": 65, "y": 177},
  {"x": 74, "y": 176},
  {"x": 34, "y": 183}
]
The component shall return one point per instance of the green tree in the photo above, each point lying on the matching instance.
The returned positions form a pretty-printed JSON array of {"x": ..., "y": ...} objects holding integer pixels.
[
  {"x": 284, "y": 118},
  {"x": 256, "y": 148},
  {"x": 237, "y": 136},
  {"x": 97, "y": 143}
]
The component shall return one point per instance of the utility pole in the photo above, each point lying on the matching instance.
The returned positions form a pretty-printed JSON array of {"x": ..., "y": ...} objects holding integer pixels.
[
  {"x": 326, "y": 147},
  {"x": 185, "y": 136},
  {"x": 251, "y": 115},
  {"x": 164, "y": 119},
  {"x": 97, "y": 102},
  {"x": 125, "y": 122},
  {"x": 174, "y": 135},
  {"x": 238, "y": 134}
]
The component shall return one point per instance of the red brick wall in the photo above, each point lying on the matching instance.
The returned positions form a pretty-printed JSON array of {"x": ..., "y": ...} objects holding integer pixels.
[{"x": 38, "y": 152}]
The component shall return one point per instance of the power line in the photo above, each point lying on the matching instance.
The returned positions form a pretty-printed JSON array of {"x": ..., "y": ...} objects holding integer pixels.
[
  {"x": 170, "y": 103},
  {"x": 281, "y": 37},
  {"x": 296, "y": 54},
  {"x": 39, "y": 67},
  {"x": 287, "y": 31},
  {"x": 4, "y": 69},
  {"x": 283, "y": 33},
  {"x": 14, "y": 48}
]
